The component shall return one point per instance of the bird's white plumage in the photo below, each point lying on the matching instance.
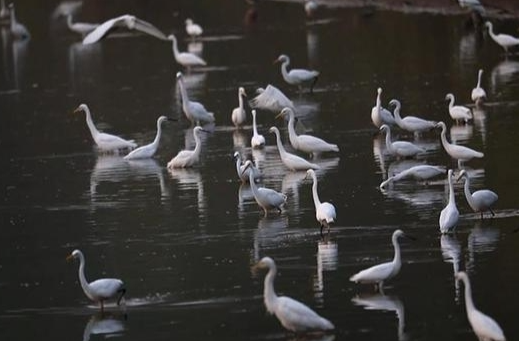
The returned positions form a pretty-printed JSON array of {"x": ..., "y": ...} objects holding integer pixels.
[
  {"x": 481, "y": 200},
  {"x": 506, "y": 41},
  {"x": 194, "y": 111},
  {"x": 80, "y": 27},
  {"x": 484, "y": 326},
  {"x": 291, "y": 161},
  {"x": 306, "y": 143},
  {"x": 105, "y": 142},
  {"x": 238, "y": 115},
  {"x": 188, "y": 158},
  {"x": 449, "y": 216},
  {"x": 296, "y": 77},
  {"x": 400, "y": 148},
  {"x": 458, "y": 112},
  {"x": 478, "y": 94},
  {"x": 270, "y": 99},
  {"x": 243, "y": 173},
  {"x": 410, "y": 123},
  {"x": 148, "y": 150},
  {"x": 420, "y": 172},
  {"x": 186, "y": 59},
  {"x": 324, "y": 211},
  {"x": 257, "y": 140},
  {"x": 293, "y": 315},
  {"x": 18, "y": 31},
  {"x": 380, "y": 115},
  {"x": 192, "y": 29},
  {"x": 461, "y": 153},
  {"x": 265, "y": 197}
]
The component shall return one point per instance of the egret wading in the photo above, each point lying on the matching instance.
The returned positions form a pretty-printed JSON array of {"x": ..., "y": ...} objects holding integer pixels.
[
  {"x": 297, "y": 77},
  {"x": 238, "y": 115},
  {"x": 188, "y": 158},
  {"x": 460, "y": 153},
  {"x": 478, "y": 94},
  {"x": 324, "y": 211},
  {"x": 186, "y": 59},
  {"x": 380, "y": 115},
  {"x": 266, "y": 198},
  {"x": 449, "y": 215},
  {"x": 243, "y": 172},
  {"x": 291, "y": 161},
  {"x": 458, "y": 112},
  {"x": 412, "y": 124},
  {"x": 400, "y": 148},
  {"x": 192, "y": 29},
  {"x": 257, "y": 140},
  {"x": 420, "y": 172},
  {"x": 506, "y": 41},
  {"x": 194, "y": 111},
  {"x": 147, "y": 151},
  {"x": 480, "y": 201}
]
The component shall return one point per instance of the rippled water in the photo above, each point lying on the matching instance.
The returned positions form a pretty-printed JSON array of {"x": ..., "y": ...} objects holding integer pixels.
[{"x": 184, "y": 241}]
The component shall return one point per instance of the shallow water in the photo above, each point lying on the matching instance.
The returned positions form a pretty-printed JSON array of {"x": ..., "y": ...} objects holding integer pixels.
[{"x": 184, "y": 241}]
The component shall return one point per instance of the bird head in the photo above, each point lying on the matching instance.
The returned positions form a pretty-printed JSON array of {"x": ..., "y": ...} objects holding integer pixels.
[
  {"x": 242, "y": 92},
  {"x": 440, "y": 125},
  {"x": 281, "y": 59},
  {"x": 264, "y": 263},
  {"x": 379, "y": 91},
  {"x": 179, "y": 75},
  {"x": 236, "y": 155},
  {"x": 73, "y": 255},
  {"x": 274, "y": 130},
  {"x": 400, "y": 233},
  {"x": 189, "y": 21},
  {"x": 448, "y": 97},
  {"x": 285, "y": 112},
  {"x": 130, "y": 21},
  {"x": 463, "y": 173},
  {"x": 310, "y": 173},
  {"x": 81, "y": 107},
  {"x": 172, "y": 37},
  {"x": 395, "y": 103},
  {"x": 384, "y": 127}
]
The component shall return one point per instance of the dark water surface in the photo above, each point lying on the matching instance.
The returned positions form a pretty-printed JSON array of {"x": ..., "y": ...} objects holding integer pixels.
[{"x": 184, "y": 241}]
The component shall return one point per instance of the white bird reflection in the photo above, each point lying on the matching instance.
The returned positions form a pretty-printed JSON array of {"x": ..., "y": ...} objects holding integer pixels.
[
  {"x": 269, "y": 235},
  {"x": 385, "y": 303},
  {"x": 188, "y": 180},
  {"x": 380, "y": 153},
  {"x": 15, "y": 58},
  {"x": 480, "y": 121},
  {"x": 482, "y": 238},
  {"x": 312, "y": 47},
  {"x": 505, "y": 72},
  {"x": 461, "y": 133},
  {"x": 196, "y": 47},
  {"x": 106, "y": 325},
  {"x": 84, "y": 65},
  {"x": 240, "y": 139},
  {"x": 327, "y": 260},
  {"x": 451, "y": 251}
]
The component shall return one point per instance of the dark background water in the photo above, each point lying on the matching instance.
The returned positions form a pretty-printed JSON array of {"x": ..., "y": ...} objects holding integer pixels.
[{"x": 184, "y": 241}]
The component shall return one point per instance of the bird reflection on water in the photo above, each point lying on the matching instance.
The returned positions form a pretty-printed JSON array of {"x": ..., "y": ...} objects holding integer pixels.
[{"x": 107, "y": 325}]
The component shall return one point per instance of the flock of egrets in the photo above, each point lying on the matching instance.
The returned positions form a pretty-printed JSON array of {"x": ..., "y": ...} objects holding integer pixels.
[{"x": 292, "y": 314}]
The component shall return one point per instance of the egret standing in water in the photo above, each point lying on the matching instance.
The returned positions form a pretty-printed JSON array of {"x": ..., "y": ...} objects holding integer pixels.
[
  {"x": 420, "y": 172},
  {"x": 480, "y": 201},
  {"x": 380, "y": 115},
  {"x": 186, "y": 59},
  {"x": 101, "y": 289},
  {"x": 238, "y": 115},
  {"x": 105, "y": 142},
  {"x": 18, "y": 31},
  {"x": 460, "y": 153},
  {"x": 382, "y": 272},
  {"x": 192, "y": 29},
  {"x": 297, "y": 77},
  {"x": 458, "y": 112},
  {"x": 400, "y": 148},
  {"x": 324, "y": 211},
  {"x": 265, "y": 197},
  {"x": 291, "y": 161},
  {"x": 484, "y": 326},
  {"x": 449, "y": 215},
  {"x": 149, "y": 150},
  {"x": 194, "y": 111},
  {"x": 478, "y": 94},
  {"x": 257, "y": 140},
  {"x": 243, "y": 172},
  {"x": 506, "y": 41},
  {"x": 293, "y": 315},
  {"x": 188, "y": 158},
  {"x": 412, "y": 124}
]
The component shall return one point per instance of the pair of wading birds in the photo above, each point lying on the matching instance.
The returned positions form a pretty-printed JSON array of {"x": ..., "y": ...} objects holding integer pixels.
[{"x": 296, "y": 316}]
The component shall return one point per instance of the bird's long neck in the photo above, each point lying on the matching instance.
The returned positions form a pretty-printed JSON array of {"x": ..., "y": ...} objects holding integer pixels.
[
  {"x": 469, "y": 304},
  {"x": 175, "y": 47},
  {"x": 443, "y": 136},
  {"x": 159, "y": 134},
  {"x": 240, "y": 101},
  {"x": 388, "y": 140},
  {"x": 466, "y": 189},
  {"x": 198, "y": 144},
  {"x": 452, "y": 198},
  {"x": 253, "y": 186},
  {"x": 451, "y": 101},
  {"x": 284, "y": 66},
  {"x": 317, "y": 202},
  {"x": 396, "y": 113},
  {"x": 292, "y": 130},
  {"x": 183, "y": 93},
  {"x": 269, "y": 295},
  {"x": 479, "y": 79},
  {"x": 378, "y": 102},
  {"x": 69, "y": 21},
  {"x": 491, "y": 31},
  {"x": 13, "y": 19},
  {"x": 254, "y": 128},
  {"x": 82, "y": 279},
  {"x": 282, "y": 150},
  {"x": 90, "y": 123},
  {"x": 238, "y": 166},
  {"x": 396, "y": 246}
]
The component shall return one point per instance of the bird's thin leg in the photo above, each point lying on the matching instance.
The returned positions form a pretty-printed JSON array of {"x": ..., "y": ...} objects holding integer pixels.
[
  {"x": 491, "y": 211},
  {"x": 481, "y": 215},
  {"x": 266, "y": 213},
  {"x": 102, "y": 306},
  {"x": 122, "y": 291},
  {"x": 313, "y": 84},
  {"x": 322, "y": 236},
  {"x": 279, "y": 210}
]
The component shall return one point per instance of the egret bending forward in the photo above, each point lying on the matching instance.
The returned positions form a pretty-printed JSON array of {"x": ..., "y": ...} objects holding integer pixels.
[
  {"x": 380, "y": 115},
  {"x": 478, "y": 94},
  {"x": 257, "y": 140},
  {"x": 270, "y": 99},
  {"x": 460, "y": 153},
  {"x": 293, "y": 315},
  {"x": 449, "y": 215},
  {"x": 297, "y": 76},
  {"x": 149, "y": 150},
  {"x": 305, "y": 143},
  {"x": 265, "y": 197},
  {"x": 101, "y": 289},
  {"x": 382, "y": 272},
  {"x": 458, "y": 112},
  {"x": 291, "y": 161},
  {"x": 243, "y": 173},
  {"x": 324, "y": 211},
  {"x": 420, "y": 172},
  {"x": 105, "y": 142},
  {"x": 400, "y": 148},
  {"x": 485, "y": 328},
  {"x": 480, "y": 201},
  {"x": 188, "y": 158},
  {"x": 194, "y": 111},
  {"x": 186, "y": 59}
]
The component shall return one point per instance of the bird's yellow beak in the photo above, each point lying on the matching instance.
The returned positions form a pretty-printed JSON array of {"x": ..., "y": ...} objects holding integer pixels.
[
  {"x": 69, "y": 258},
  {"x": 280, "y": 115},
  {"x": 76, "y": 110}
]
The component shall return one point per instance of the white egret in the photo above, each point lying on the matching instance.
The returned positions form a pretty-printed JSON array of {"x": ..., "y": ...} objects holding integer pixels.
[
  {"x": 400, "y": 148},
  {"x": 101, "y": 289},
  {"x": 265, "y": 197},
  {"x": 128, "y": 21},
  {"x": 484, "y": 326},
  {"x": 382, "y": 272},
  {"x": 480, "y": 201},
  {"x": 310, "y": 7},
  {"x": 324, "y": 211},
  {"x": 380, "y": 115},
  {"x": 257, "y": 140},
  {"x": 297, "y": 77},
  {"x": 458, "y": 112},
  {"x": 149, "y": 150},
  {"x": 239, "y": 115},
  {"x": 478, "y": 94},
  {"x": 291, "y": 161},
  {"x": 506, "y": 41},
  {"x": 188, "y": 158},
  {"x": 460, "y": 153},
  {"x": 5, "y": 14},
  {"x": 410, "y": 123},
  {"x": 449, "y": 215},
  {"x": 293, "y": 315},
  {"x": 420, "y": 172},
  {"x": 192, "y": 29},
  {"x": 18, "y": 31},
  {"x": 194, "y": 111},
  {"x": 305, "y": 143},
  {"x": 270, "y": 99},
  {"x": 186, "y": 59},
  {"x": 80, "y": 27},
  {"x": 243, "y": 173},
  {"x": 105, "y": 142}
]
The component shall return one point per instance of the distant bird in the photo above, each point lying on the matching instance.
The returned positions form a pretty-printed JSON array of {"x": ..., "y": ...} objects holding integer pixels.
[
  {"x": 310, "y": 7},
  {"x": 105, "y": 142},
  {"x": 506, "y": 41},
  {"x": 420, "y": 172},
  {"x": 478, "y": 94},
  {"x": 149, "y": 150},
  {"x": 188, "y": 158},
  {"x": 382, "y": 272},
  {"x": 324, "y": 211},
  {"x": 293, "y": 315},
  {"x": 270, "y": 99},
  {"x": 297, "y": 77},
  {"x": 412, "y": 124},
  {"x": 266, "y": 198},
  {"x": 127, "y": 21},
  {"x": 257, "y": 140},
  {"x": 305, "y": 143},
  {"x": 480, "y": 201},
  {"x": 186, "y": 59},
  {"x": 192, "y": 29},
  {"x": 380, "y": 115},
  {"x": 458, "y": 112},
  {"x": 449, "y": 215},
  {"x": 291, "y": 161},
  {"x": 80, "y": 27},
  {"x": 460, "y": 153},
  {"x": 18, "y": 31},
  {"x": 239, "y": 115},
  {"x": 483, "y": 326},
  {"x": 194, "y": 111},
  {"x": 243, "y": 173},
  {"x": 5, "y": 13},
  {"x": 101, "y": 289},
  {"x": 400, "y": 148}
]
